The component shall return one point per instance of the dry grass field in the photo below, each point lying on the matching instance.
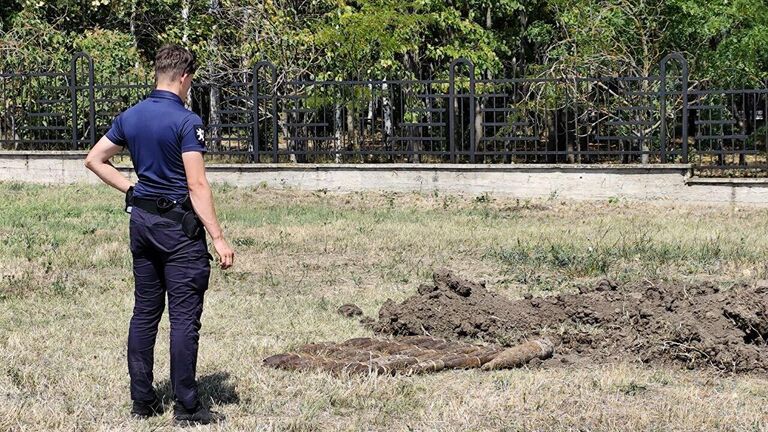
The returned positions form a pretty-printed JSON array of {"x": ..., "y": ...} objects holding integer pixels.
[{"x": 66, "y": 298}]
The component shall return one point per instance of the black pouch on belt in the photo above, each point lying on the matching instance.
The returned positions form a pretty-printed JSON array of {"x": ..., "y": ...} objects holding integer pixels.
[{"x": 190, "y": 222}]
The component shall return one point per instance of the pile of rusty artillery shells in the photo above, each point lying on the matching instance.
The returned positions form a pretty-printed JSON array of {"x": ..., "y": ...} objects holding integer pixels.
[{"x": 407, "y": 355}]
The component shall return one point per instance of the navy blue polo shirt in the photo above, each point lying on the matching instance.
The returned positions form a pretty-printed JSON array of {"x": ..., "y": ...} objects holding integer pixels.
[{"x": 157, "y": 131}]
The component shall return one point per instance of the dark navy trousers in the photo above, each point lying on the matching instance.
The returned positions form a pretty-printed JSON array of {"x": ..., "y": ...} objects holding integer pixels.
[{"x": 165, "y": 260}]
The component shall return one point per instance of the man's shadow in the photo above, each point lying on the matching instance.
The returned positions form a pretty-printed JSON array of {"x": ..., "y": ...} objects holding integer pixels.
[{"x": 216, "y": 388}]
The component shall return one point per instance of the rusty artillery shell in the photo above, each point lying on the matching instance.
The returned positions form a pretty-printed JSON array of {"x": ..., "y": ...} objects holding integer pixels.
[
  {"x": 460, "y": 361},
  {"x": 413, "y": 352},
  {"x": 428, "y": 355},
  {"x": 353, "y": 356},
  {"x": 488, "y": 355},
  {"x": 335, "y": 367},
  {"x": 359, "y": 342},
  {"x": 395, "y": 362},
  {"x": 431, "y": 343},
  {"x": 468, "y": 350},
  {"x": 398, "y": 349},
  {"x": 279, "y": 360},
  {"x": 521, "y": 354},
  {"x": 365, "y": 368},
  {"x": 420, "y": 340},
  {"x": 426, "y": 367},
  {"x": 291, "y": 361},
  {"x": 304, "y": 363},
  {"x": 355, "y": 368},
  {"x": 378, "y": 345}
]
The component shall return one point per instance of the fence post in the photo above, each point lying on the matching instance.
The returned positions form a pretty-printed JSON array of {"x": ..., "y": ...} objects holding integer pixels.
[
  {"x": 255, "y": 116},
  {"x": 663, "y": 105},
  {"x": 452, "y": 110},
  {"x": 684, "y": 66},
  {"x": 74, "y": 89},
  {"x": 255, "y": 139}
]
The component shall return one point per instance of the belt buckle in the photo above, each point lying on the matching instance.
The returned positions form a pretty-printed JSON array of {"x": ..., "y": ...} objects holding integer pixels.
[{"x": 164, "y": 204}]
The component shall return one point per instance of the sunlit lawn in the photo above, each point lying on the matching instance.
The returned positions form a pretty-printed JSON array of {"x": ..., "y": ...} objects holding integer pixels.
[{"x": 66, "y": 297}]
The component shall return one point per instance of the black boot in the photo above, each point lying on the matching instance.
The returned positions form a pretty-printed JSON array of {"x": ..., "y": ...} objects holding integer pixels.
[
  {"x": 198, "y": 415},
  {"x": 142, "y": 410}
]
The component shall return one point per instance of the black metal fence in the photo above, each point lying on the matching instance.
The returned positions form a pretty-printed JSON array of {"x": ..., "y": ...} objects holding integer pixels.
[{"x": 256, "y": 116}]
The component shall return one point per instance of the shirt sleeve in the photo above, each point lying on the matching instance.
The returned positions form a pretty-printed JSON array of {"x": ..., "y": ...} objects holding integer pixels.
[
  {"x": 116, "y": 134},
  {"x": 193, "y": 134}
]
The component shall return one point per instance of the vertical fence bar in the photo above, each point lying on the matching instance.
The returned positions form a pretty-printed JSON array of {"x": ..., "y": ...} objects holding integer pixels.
[
  {"x": 451, "y": 113},
  {"x": 662, "y": 113},
  {"x": 255, "y": 114},
  {"x": 472, "y": 113},
  {"x": 275, "y": 142},
  {"x": 73, "y": 93},
  {"x": 91, "y": 101},
  {"x": 684, "y": 134}
]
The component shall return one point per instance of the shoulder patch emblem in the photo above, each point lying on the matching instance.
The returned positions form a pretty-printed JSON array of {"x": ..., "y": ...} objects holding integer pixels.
[{"x": 200, "y": 134}]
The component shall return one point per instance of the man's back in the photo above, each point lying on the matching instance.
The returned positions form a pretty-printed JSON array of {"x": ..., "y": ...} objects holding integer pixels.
[
  {"x": 170, "y": 253},
  {"x": 157, "y": 131}
]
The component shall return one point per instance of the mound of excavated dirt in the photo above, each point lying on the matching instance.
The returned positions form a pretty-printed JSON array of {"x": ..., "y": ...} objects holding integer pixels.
[{"x": 696, "y": 326}]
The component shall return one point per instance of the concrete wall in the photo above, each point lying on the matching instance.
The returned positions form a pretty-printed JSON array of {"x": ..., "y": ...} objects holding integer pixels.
[{"x": 571, "y": 182}]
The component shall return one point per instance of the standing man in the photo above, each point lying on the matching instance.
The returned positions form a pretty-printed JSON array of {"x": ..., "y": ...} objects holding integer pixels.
[{"x": 170, "y": 254}]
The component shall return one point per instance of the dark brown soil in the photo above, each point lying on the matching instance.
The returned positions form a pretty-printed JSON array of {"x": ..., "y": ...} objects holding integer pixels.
[
  {"x": 349, "y": 310},
  {"x": 694, "y": 326}
]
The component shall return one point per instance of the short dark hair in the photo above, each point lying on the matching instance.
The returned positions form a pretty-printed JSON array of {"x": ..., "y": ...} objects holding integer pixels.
[{"x": 173, "y": 61}]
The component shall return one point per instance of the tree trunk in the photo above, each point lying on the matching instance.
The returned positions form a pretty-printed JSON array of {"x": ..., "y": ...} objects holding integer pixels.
[
  {"x": 185, "y": 39},
  {"x": 645, "y": 158},
  {"x": 523, "y": 22},
  {"x": 214, "y": 92},
  {"x": 338, "y": 125},
  {"x": 16, "y": 137},
  {"x": 133, "y": 30},
  {"x": 286, "y": 136},
  {"x": 458, "y": 126},
  {"x": 479, "y": 104},
  {"x": 386, "y": 107},
  {"x": 185, "y": 21},
  {"x": 367, "y": 132},
  {"x": 256, "y": 36},
  {"x": 478, "y": 124},
  {"x": 415, "y": 143},
  {"x": 352, "y": 129},
  {"x": 369, "y": 117}
]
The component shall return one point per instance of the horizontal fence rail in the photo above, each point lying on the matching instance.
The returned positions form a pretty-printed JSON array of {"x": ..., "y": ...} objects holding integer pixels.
[{"x": 251, "y": 116}]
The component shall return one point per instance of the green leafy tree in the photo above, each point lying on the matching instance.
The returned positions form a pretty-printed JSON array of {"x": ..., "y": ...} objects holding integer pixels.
[{"x": 725, "y": 40}]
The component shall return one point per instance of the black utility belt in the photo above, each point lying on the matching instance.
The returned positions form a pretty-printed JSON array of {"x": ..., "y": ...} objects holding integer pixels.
[{"x": 178, "y": 211}]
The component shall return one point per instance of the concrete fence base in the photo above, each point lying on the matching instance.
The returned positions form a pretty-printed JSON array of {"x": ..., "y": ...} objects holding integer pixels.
[{"x": 667, "y": 182}]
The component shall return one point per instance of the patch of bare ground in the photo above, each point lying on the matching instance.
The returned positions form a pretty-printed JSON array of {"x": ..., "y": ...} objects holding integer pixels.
[{"x": 691, "y": 325}]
